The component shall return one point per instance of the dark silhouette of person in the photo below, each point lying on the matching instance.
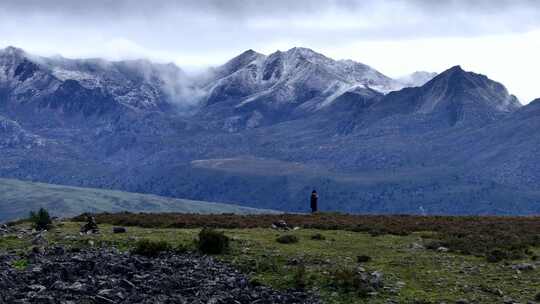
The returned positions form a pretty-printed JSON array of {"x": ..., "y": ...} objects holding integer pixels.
[{"x": 314, "y": 198}]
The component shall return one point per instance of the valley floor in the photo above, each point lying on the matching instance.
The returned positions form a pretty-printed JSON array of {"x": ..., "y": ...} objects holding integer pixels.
[{"x": 408, "y": 268}]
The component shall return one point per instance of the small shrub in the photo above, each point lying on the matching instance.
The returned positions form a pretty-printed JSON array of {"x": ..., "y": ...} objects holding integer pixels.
[
  {"x": 150, "y": 248},
  {"x": 377, "y": 231},
  {"x": 349, "y": 280},
  {"x": 363, "y": 258},
  {"x": 287, "y": 239},
  {"x": 496, "y": 255},
  {"x": 212, "y": 242},
  {"x": 41, "y": 220},
  {"x": 300, "y": 277},
  {"x": 318, "y": 237},
  {"x": 266, "y": 264}
]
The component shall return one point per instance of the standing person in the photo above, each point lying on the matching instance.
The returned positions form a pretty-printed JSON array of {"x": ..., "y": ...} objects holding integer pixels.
[{"x": 314, "y": 198}]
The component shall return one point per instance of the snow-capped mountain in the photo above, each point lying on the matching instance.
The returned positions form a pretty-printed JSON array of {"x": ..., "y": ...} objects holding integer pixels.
[
  {"x": 253, "y": 76},
  {"x": 457, "y": 144},
  {"x": 264, "y": 89},
  {"x": 135, "y": 84}
]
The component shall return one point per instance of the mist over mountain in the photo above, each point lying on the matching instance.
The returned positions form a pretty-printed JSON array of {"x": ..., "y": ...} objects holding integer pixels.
[
  {"x": 264, "y": 130},
  {"x": 416, "y": 79}
]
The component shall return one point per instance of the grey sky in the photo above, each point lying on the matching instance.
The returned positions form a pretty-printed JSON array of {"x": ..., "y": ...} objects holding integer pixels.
[{"x": 496, "y": 38}]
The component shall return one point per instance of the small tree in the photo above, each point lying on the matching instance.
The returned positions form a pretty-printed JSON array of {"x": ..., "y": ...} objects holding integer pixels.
[{"x": 41, "y": 220}]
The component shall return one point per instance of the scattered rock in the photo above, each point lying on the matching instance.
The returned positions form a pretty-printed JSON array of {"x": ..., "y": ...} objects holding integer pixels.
[
  {"x": 524, "y": 267},
  {"x": 281, "y": 224},
  {"x": 109, "y": 276},
  {"x": 442, "y": 249},
  {"x": 39, "y": 239},
  {"x": 507, "y": 300},
  {"x": 417, "y": 246}
]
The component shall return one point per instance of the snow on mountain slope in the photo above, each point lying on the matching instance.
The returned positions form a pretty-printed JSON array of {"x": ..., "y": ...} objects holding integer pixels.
[
  {"x": 283, "y": 77},
  {"x": 285, "y": 85},
  {"x": 137, "y": 84},
  {"x": 12, "y": 135}
]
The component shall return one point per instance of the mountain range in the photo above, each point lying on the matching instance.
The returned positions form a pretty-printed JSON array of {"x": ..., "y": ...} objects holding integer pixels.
[{"x": 264, "y": 130}]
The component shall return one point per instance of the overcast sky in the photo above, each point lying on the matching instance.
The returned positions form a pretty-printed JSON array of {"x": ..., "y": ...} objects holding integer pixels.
[{"x": 498, "y": 38}]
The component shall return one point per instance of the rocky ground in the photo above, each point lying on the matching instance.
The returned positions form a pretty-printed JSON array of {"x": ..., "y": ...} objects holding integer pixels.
[
  {"x": 67, "y": 265},
  {"x": 57, "y": 275}
]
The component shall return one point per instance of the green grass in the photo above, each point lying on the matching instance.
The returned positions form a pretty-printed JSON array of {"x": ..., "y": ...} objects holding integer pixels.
[
  {"x": 18, "y": 198},
  {"x": 14, "y": 244},
  {"x": 21, "y": 264},
  {"x": 425, "y": 275}
]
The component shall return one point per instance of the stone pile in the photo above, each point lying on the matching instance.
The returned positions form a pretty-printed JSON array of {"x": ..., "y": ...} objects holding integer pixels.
[
  {"x": 4, "y": 230},
  {"x": 109, "y": 276},
  {"x": 90, "y": 226}
]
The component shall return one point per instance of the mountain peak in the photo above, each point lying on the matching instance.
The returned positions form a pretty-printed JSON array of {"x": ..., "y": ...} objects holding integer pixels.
[
  {"x": 456, "y": 68},
  {"x": 458, "y": 77},
  {"x": 300, "y": 49},
  {"x": 12, "y": 51},
  {"x": 244, "y": 58},
  {"x": 249, "y": 53},
  {"x": 304, "y": 52}
]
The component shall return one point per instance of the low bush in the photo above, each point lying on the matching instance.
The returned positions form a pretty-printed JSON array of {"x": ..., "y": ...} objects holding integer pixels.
[
  {"x": 363, "y": 258},
  {"x": 212, "y": 242},
  {"x": 318, "y": 237},
  {"x": 287, "y": 239},
  {"x": 496, "y": 256},
  {"x": 150, "y": 248},
  {"x": 349, "y": 280},
  {"x": 41, "y": 220},
  {"x": 266, "y": 264}
]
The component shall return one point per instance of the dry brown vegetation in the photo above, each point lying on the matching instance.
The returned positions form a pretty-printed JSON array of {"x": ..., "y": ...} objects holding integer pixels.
[{"x": 506, "y": 237}]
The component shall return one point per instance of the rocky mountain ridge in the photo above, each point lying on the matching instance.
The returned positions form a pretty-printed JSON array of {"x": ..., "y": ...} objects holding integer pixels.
[{"x": 460, "y": 139}]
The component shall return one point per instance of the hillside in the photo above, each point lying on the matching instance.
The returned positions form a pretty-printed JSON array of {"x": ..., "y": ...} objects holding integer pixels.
[
  {"x": 321, "y": 258},
  {"x": 18, "y": 198}
]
